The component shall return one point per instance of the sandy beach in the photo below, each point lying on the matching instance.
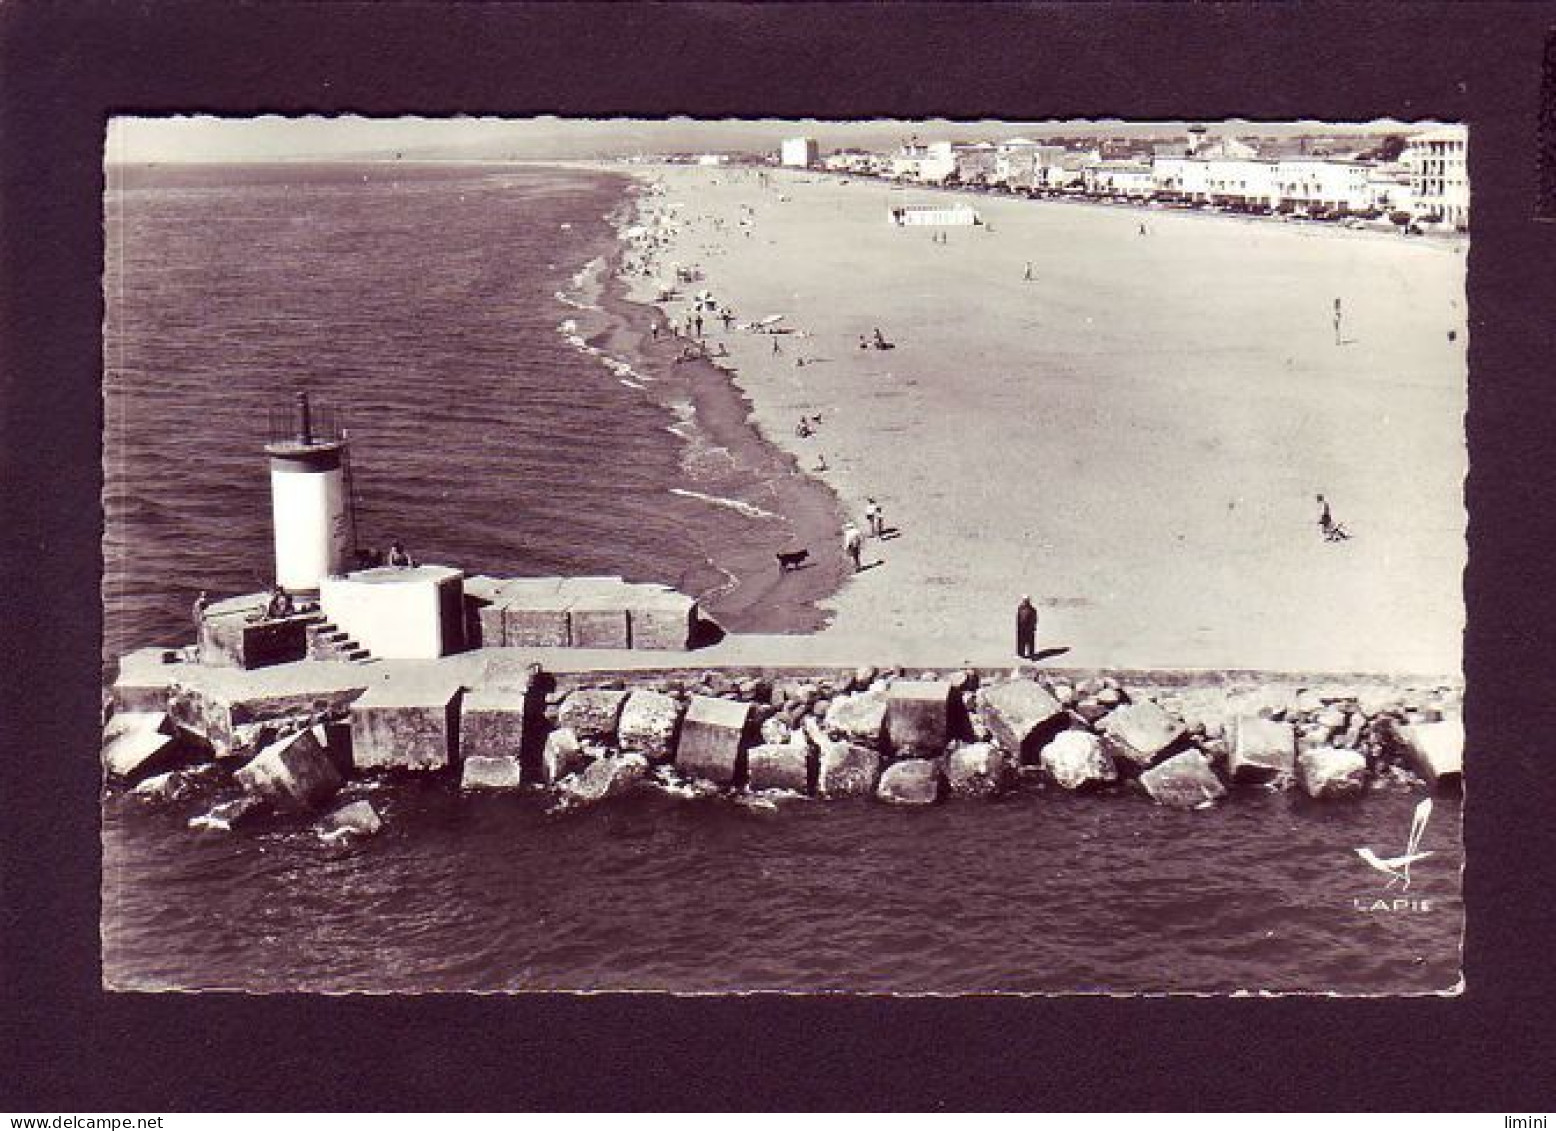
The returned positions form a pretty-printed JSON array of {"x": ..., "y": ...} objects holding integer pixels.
[{"x": 1134, "y": 436}]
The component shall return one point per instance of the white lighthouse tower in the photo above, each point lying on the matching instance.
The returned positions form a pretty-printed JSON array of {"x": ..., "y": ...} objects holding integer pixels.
[{"x": 309, "y": 505}]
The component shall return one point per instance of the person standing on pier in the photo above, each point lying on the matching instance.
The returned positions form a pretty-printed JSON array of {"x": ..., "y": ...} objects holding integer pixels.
[{"x": 1026, "y": 629}]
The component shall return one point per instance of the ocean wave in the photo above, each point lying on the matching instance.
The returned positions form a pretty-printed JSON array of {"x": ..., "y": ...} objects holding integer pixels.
[
  {"x": 750, "y": 510},
  {"x": 568, "y": 300},
  {"x": 630, "y": 384}
]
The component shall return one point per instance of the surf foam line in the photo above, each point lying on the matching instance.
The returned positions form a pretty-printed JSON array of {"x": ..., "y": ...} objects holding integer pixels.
[
  {"x": 739, "y": 506},
  {"x": 621, "y": 370}
]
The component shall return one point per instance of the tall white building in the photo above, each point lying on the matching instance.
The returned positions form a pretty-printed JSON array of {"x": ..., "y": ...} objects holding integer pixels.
[
  {"x": 1438, "y": 161},
  {"x": 1330, "y": 184},
  {"x": 799, "y": 152}
]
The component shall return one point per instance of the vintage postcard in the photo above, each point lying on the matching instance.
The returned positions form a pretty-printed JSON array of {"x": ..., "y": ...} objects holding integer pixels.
[{"x": 910, "y": 557}]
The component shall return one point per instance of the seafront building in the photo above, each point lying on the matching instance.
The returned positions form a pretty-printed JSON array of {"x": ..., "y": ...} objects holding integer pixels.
[
  {"x": 1023, "y": 164},
  {"x": 977, "y": 163},
  {"x": 1130, "y": 179},
  {"x": 799, "y": 153},
  {"x": 1427, "y": 187},
  {"x": 1439, "y": 174}
]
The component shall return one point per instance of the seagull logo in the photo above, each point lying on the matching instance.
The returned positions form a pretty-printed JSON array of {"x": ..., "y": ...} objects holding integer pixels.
[{"x": 1397, "y": 868}]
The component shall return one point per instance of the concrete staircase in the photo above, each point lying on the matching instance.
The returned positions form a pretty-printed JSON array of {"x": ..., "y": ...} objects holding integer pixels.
[{"x": 328, "y": 642}]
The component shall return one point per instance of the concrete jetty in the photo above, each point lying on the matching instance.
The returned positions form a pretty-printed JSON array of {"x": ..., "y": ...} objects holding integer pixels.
[{"x": 761, "y": 713}]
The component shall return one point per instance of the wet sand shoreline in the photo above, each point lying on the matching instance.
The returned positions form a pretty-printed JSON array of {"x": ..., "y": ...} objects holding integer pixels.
[{"x": 798, "y": 511}]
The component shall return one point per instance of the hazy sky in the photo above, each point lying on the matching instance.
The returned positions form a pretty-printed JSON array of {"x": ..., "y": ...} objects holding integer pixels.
[{"x": 269, "y": 138}]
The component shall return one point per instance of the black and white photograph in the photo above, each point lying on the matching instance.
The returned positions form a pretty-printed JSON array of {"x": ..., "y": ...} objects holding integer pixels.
[{"x": 760, "y": 555}]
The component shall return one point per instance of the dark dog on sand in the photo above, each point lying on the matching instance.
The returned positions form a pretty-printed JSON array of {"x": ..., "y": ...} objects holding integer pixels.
[{"x": 791, "y": 560}]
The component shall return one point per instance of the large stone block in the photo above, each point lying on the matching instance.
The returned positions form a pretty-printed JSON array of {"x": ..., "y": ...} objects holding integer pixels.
[
  {"x": 713, "y": 740},
  {"x": 230, "y": 710},
  {"x": 1020, "y": 715},
  {"x": 664, "y": 621},
  {"x": 135, "y": 744},
  {"x": 234, "y": 634},
  {"x": 1184, "y": 781},
  {"x": 487, "y": 624},
  {"x": 844, "y": 769},
  {"x": 490, "y": 772},
  {"x": 599, "y": 622},
  {"x": 606, "y": 777},
  {"x": 1435, "y": 750},
  {"x": 145, "y": 676},
  {"x": 1139, "y": 733},
  {"x": 536, "y": 624},
  {"x": 978, "y": 769},
  {"x": 593, "y": 715},
  {"x": 412, "y": 727},
  {"x": 1075, "y": 759},
  {"x": 1263, "y": 750},
  {"x": 858, "y": 718},
  {"x": 562, "y": 755},
  {"x": 918, "y": 716},
  {"x": 492, "y": 723},
  {"x": 785, "y": 766},
  {"x": 295, "y": 773},
  {"x": 356, "y": 818},
  {"x": 1327, "y": 772},
  {"x": 648, "y": 724},
  {"x": 914, "y": 781}
]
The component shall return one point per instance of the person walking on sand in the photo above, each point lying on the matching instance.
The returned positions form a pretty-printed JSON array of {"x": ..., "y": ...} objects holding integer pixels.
[
  {"x": 1026, "y": 629},
  {"x": 699, "y": 325},
  {"x": 1028, "y": 276},
  {"x": 853, "y": 542},
  {"x": 202, "y": 602},
  {"x": 1338, "y": 319},
  {"x": 653, "y": 329},
  {"x": 776, "y": 350},
  {"x": 872, "y": 517}
]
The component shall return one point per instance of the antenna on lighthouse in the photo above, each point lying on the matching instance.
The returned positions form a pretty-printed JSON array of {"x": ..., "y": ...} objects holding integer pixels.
[{"x": 308, "y": 501}]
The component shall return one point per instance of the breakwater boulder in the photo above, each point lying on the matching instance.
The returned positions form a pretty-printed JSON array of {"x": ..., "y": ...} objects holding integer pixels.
[
  {"x": 164, "y": 788},
  {"x": 593, "y": 715},
  {"x": 603, "y": 778},
  {"x": 648, "y": 724},
  {"x": 410, "y": 726},
  {"x": 354, "y": 819},
  {"x": 294, "y": 774},
  {"x": 1435, "y": 750},
  {"x": 860, "y": 717},
  {"x": 1184, "y": 781},
  {"x": 493, "y": 723},
  {"x": 843, "y": 769},
  {"x": 1140, "y": 732},
  {"x": 1021, "y": 716},
  {"x": 1328, "y": 772},
  {"x": 490, "y": 772},
  {"x": 1075, "y": 759},
  {"x": 913, "y": 781},
  {"x": 1263, "y": 750},
  {"x": 789, "y": 765},
  {"x": 136, "y": 744},
  {"x": 561, "y": 756},
  {"x": 714, "y": 737},
  {"x": 978, "y": 769},
  {"x": 919, "y": 715}
]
